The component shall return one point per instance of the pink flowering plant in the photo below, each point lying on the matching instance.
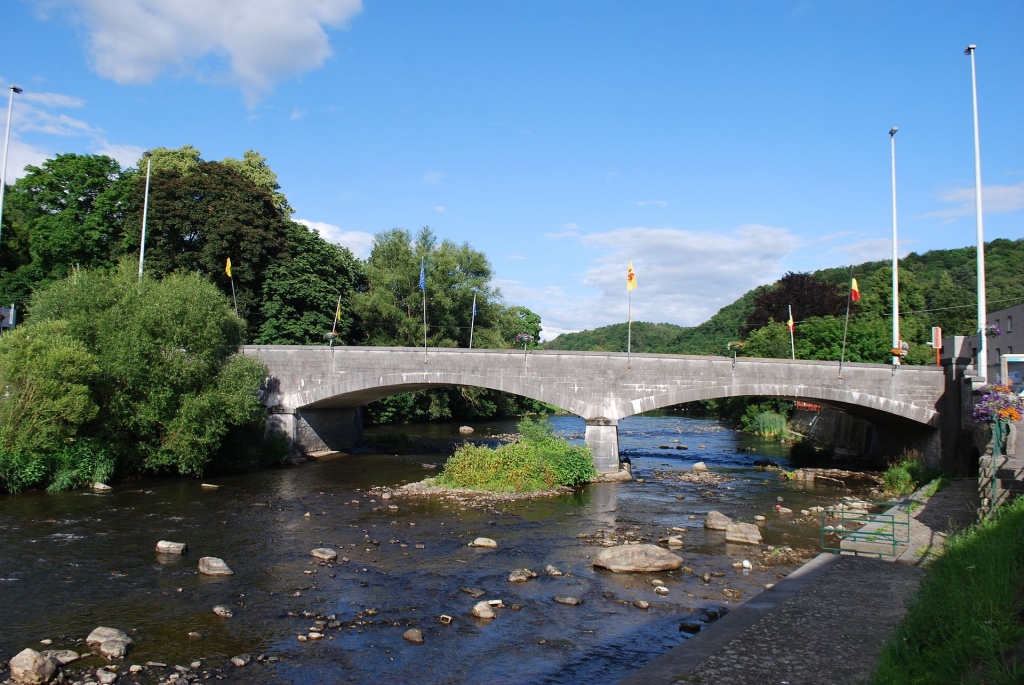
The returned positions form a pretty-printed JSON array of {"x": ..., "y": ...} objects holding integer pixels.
[{"x": 998, "y": 403}]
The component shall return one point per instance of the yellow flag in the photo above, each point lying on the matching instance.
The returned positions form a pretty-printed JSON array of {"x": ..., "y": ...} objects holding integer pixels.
[
  {"x": 337, "y": 314},
  {"x": 227, "y": 269},
  {"x": 630, "y": 277}
]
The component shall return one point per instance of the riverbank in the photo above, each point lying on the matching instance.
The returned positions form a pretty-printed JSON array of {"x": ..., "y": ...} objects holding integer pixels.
[{"x": 826, "y": 623}]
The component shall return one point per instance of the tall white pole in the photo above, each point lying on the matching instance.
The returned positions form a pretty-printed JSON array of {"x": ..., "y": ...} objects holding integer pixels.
[
  {"x": 7, "y": 142},
  {"x": 895, "y": 257},
  {"x": 145, "y": 213},
  {"x": 982, "y": 362},
  {"x": 472, "y": 322}
]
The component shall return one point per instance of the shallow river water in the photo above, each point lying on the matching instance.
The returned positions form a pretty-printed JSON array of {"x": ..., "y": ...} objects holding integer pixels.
[{"x": 73, "y": 561}]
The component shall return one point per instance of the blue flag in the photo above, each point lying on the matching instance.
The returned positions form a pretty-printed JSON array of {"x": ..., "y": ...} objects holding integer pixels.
[
  {"x": 474, "y": 305},
  {"x": 423, "y": 277}
]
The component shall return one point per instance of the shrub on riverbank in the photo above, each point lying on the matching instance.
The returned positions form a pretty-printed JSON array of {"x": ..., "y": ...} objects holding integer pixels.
[
  {"x": 965, "y": 623},
  {"x": 111, "y": 373},
  {"x": 538, "y": 461},
  {"x": 907, "y": 473}
]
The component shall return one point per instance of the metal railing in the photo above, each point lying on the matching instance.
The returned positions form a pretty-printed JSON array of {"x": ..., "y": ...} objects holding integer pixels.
[{"x": 880, "y": 529}]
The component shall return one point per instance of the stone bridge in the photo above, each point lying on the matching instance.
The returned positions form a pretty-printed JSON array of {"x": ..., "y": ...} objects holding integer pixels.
[{"x": 313, "y": 393}]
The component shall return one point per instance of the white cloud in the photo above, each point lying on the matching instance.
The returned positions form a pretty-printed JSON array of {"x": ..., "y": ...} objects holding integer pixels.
[
  {"x": 870, "y": 250},
  {"x": 432, "y": 178},
  {"x": 517, "y": 257},
  {"x": 359, "y": 242},
  {"x": 659, "y": 203},
  {"x": 441, "y": 210},
  {"x": 683, "y": 276},
  {"x": 995, "y": 199},
  {"x": 262, "y": 41},
  {"x": 34, "y": 118},
  {"x": 296, "y": 114}
]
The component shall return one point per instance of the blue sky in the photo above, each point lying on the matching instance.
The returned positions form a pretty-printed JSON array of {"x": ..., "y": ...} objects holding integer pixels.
[{"x": 718, "y": 145}]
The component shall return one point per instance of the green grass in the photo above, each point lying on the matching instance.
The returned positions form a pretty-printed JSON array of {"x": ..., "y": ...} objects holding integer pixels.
[
  {"x": 539, "y": 461},
  {"x": 769, "y": 424},
  {"x": 964, "y": 625}
]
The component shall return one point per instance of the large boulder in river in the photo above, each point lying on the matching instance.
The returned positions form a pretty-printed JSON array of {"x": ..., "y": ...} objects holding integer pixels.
[
  {"x": 324, "y": 554},
  {"x": 212, "y": 566},
  {"x": 483, "y": 542},
  {"x": 29, "y": 667},
  {"x": 102, "y": 634},
  {"x": 716, "y": 520},
  {"x": 743, "y": 533},
  {"x": 168, "y": 547},
  {"x": 637, "y": 558}
]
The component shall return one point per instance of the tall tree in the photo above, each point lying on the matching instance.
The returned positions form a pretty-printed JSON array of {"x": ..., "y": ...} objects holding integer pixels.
[
  {"x": 301, "y": 292},
  {"x": 808, "y": 295}
]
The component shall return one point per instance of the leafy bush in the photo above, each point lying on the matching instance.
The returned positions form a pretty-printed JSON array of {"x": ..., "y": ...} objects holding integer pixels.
[
  {"x": 907, "y": 473},
  {"x": 80, "y": 463},
  {"x": 539, "y": 461}
]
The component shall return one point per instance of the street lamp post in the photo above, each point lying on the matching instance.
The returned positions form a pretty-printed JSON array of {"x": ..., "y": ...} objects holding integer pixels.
[
  {"x": 982, "y": 322},
  {"x": 895, "y": 258},
  {"x": 7, "y": 142},
  {"x": 145, "y": 214}
]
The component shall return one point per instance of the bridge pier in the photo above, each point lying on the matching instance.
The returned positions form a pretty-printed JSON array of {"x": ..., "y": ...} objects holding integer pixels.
[
  {"x": 602, "y": 438},
  {"x": 317, "y": 430}
]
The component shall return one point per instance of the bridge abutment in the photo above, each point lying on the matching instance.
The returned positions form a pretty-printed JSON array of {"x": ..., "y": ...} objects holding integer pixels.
[
  {"x": 317, "y": 430},
  {"x": 602, "y": 437}
]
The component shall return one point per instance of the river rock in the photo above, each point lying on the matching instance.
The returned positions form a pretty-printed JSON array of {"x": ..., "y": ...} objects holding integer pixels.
[
  {"x": 101, "y": 487},
  {"x": 700, "y": 466},
  {"x": 114, "y": 648},
  {"x": 568, "y": 600},
  {"x": 102, "y": 634},
  {"x": 213, "y": 566},
  {"x": 743, "y": 533},
  {"x": 29, "y": 667},
  {"x": 521, "y": 575},
  {"x": 623, "y": 475},
  {"x": 465, "y": 429},
  {"x": 413, "y": 635},
  {"x": 552, "y": 571},
  {"x": 168, "y": 547},
  {"x": 105, "y": 677},
  {"x": 324, "y": 554},
  {"x": 642, "y": 604},
  {"x": 483, "y": 610},
  {"x": 483, "y": 542},
  {"x": 716, "y": 521},
  {"x": 675, "y": 542},
  {"x": 637, "y": 558},
  {"x": 223, "y": 611},
  {"x": 62, "y": 656},
  {"x": 241, "y": 660},
  {"x": 474, "y": 592}
]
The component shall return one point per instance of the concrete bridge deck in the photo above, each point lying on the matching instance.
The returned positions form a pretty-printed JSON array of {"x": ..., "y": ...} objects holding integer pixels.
[{"x": 307, "y": 385}]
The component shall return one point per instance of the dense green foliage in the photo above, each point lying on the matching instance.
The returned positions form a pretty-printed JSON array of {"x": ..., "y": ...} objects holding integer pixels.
[
  {"x": 964, "y": 625},
  {"x": 906, "y": 474},
  {"x": 113, "y": 373},
  {"x": 538, "y": 461},
  {"x": 389, "y": 311},
  {"x": 647, "y": 337},
  {"x": 769, "y": 424}
]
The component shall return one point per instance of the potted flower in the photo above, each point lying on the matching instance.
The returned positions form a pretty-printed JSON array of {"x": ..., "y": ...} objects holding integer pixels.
[{"x": 998, "y": 406}]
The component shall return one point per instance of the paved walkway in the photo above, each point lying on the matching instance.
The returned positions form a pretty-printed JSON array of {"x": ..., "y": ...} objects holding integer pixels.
[{"x": 825, "y": 623}]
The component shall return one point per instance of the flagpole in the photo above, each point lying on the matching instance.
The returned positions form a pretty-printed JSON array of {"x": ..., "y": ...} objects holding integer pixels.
[
  {"x": 472, "y": 322},
  {"x": 792, "y": 344},
  {"x": 629, "y": 333},
  {"x": 334, "y": 326},
  {"x": 846, "y": 326},
  {"x": 423, "y": 287},
  {"x": 234, "y": 299}
]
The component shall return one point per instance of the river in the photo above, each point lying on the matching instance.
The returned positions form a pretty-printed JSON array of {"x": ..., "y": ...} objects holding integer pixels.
[{"x": 73, "y": 561}]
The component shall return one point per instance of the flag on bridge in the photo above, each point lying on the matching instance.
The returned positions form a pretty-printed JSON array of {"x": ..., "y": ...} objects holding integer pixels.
[
  {"x": 227, "y": 268},
  {"x": 854, "y": 290},
  {"x": 423, "y": 276},
  {"x": 630, "y": 277},
  {"x": 789, "y": 324}
]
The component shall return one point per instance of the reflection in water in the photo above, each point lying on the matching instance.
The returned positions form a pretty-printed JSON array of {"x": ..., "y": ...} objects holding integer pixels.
[{"x": 73, "y": 561}]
